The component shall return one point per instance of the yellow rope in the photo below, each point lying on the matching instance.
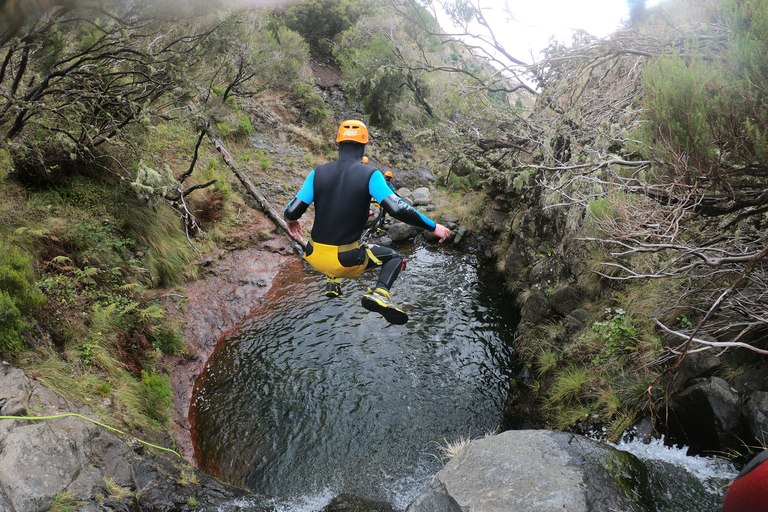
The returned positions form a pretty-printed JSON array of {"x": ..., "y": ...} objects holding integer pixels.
[{"x": 38, "y": 418}]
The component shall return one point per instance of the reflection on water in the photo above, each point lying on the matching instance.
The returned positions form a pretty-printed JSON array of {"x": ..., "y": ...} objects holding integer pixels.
[{"x": 320, "y": 396}]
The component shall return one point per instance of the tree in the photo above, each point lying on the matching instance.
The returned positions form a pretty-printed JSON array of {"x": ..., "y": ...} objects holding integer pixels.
[
  {"x": 321, "y": 21},
  {"x": 75, "y": 74}
]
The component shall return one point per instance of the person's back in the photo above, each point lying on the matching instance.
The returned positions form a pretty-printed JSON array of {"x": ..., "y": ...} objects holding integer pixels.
[{"x": 341, "y": 199}]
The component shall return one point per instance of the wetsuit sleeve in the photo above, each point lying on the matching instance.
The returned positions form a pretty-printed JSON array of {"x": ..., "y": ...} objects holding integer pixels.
[
  {"x": 303, "y": 199},
  {"x": 395, "y": 206}
]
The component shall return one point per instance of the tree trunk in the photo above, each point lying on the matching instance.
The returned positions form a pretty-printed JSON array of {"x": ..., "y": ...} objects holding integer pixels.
[{"x": 263, "y": 203}]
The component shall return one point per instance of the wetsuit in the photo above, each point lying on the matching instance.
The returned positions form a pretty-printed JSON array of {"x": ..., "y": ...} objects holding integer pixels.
[
  {"x": 342, "y": 191},
  {"x": 749, "y": 492}
]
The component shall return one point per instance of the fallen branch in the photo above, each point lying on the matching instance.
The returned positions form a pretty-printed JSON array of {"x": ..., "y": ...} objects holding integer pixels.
[
  {"x": 709, "y": 344},
  {"x": 263, "y": 203}
]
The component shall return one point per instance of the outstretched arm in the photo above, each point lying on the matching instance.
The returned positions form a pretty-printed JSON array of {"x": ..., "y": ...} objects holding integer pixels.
[
  {"x": 299, "y": 205},
  {"x": 401, "y": 210}
]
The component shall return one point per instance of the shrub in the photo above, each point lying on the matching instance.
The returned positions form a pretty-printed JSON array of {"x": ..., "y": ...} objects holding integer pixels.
[
  {"x": 12, "y": 326},
  {"x": 311, "y": 105},
  {"x": 157, "y": 396},
  {"x": 677, "y": 109},
  {"x": 618, "y": 331},
  {"x": 168, "y": 340},
  {"x": 321, "y": 21},
  {"x": 18, "y": 296}
]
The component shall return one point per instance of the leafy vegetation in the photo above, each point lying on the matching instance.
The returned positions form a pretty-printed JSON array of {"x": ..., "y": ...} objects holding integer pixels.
[
  {"x": 18, "y": 296},
  {"x": 109, "y": 191}
]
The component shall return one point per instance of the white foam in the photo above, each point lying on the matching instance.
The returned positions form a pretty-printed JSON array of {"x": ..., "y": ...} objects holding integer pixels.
[{"x": 705, "y": 469}]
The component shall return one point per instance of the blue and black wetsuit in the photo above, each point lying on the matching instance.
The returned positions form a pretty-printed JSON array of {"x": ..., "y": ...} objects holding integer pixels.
[{"x": 342, "y": 191}]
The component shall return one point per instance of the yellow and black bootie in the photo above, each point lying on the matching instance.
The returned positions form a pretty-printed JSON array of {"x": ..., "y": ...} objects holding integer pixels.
[
  {"x": 378, "y": 300},
  {"x": 333, "y": 287}
]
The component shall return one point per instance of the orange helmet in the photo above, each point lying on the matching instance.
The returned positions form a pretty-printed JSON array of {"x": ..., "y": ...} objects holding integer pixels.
[
  {"x": 388, "y": 174},
  {"x": 352, "y": 131}
]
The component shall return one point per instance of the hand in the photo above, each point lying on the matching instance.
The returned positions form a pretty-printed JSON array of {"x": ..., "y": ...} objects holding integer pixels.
[
  {"x": 294, "y": 229},
  {"x": 441, "y": 232}
]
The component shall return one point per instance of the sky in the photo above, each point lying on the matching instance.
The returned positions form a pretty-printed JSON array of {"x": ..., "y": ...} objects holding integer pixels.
[{"x": 532, "y": 22}]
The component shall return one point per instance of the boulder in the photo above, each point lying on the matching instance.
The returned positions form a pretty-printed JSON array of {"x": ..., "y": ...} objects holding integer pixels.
[
  {"x": 400, "y": 231},
  {"x": 536, "y": 308},
  {"x": 434, "y": 499},
  {"x": 700, "y": 365},
  {"x": 548, "y": 471},
  {"x": 534, "y": 471},
  {"x": 565, "y": 300},
  {"x": 756, "y": 415},
  {"x": 39, "y": 459},
  {"x": 707, "y": 416},
  {"x": 422, "y": 196},
  {"x": 350, "y": 503}
]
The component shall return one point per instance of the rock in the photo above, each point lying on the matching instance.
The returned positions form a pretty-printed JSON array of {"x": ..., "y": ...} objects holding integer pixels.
[
  {"x": 496, "y": 216},
  {"x": 756, "y": 415},
  {"x": 400, "y": 231},
  {"x": 515, "y": 261},
  {"x": 449, "y": 219},
  {"x": 535, "y": 471},
  {"x": 351, "y": 503},
  {"x": 405, "y": 194},
  {"x": 535, "y": 309},
  {"x": 707, "y": 417},
  {"x": 700, "y": 365},
  {"x": 565, "y": 300},
  {"x": 40, "y": 459},
  {"x": 459, "y": 235},
  {"x": 754, "y": 378},
  {"x": 434, "y": 499},
  {"x": 576, "y": 320},
  {"x": 644, "y": 431},
  {"x": 546, "y": 272},
  {"x": 422, "y": 196}
]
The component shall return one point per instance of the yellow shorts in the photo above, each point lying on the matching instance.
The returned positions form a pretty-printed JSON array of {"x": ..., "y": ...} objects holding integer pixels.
[{"x": 325, "y": 259}]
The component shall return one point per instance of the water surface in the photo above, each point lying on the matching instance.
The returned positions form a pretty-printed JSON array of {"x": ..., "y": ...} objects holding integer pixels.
[{"x": 317, "y": 396}]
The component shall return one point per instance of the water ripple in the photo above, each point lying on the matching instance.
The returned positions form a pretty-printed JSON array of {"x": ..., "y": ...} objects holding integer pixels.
[{"x": 318, "y": 394}]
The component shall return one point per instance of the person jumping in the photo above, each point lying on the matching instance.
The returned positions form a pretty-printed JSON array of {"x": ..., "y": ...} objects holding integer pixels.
[{"x": 342, "y": 191}]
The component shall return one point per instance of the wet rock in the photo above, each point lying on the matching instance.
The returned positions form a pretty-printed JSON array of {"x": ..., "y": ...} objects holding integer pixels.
[
  {"x": 351, "y": 503},
  {"x": 756, "y": 416},
  {"x": 537, "y": 471},
  {"x": 459, "y": 236},
  {"x": 707, "y": 416},
  {"x": 644, "y": 431},
  {"x": 435, "y": 498},
  {"x": 400, "y": 231}
]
